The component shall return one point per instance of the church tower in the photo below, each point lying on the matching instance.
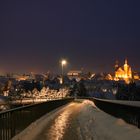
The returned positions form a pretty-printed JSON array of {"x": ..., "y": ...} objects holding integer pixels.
[
  {"x": 126, "y": 61},
  {"x": 126, "y": 67},
  {"x": 116, "y": 65},
  {"x": 123, "y": 73}
]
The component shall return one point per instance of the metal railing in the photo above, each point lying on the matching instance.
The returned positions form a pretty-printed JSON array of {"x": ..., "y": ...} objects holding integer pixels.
[
  {"x": 120, "y": 109},
  {"x": 15, "y": 120}
]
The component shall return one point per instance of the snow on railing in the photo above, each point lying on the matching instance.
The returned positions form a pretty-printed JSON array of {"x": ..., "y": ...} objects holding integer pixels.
[{"x": 127, "y": 110}]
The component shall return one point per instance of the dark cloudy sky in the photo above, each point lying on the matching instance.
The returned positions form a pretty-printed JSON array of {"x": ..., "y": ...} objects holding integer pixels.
[{"x": 91, "y": 34}]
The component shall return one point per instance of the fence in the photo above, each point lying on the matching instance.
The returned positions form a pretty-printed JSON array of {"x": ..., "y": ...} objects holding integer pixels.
[
  {"x": 15, "y": 120},
  {"x": 120, "y": 109}
]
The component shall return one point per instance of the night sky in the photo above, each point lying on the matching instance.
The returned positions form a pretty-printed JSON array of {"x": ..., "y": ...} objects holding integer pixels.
[{"x": 90, "y": 34}]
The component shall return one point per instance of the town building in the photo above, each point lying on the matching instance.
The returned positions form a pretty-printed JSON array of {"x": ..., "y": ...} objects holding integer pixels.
[
  {"x": 75, "y": 74},
  {"x": 123, "y": 73}
]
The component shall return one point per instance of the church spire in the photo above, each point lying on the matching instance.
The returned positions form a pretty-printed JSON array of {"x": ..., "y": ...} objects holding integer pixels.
[
  {"x": 126, "y": 61},
  {"x": 116, "y": 65}
]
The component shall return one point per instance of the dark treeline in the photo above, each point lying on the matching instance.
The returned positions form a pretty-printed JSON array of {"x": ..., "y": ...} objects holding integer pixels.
[
  {"x": 78, "y": 89},
  {"x": 129, "y": 92}
]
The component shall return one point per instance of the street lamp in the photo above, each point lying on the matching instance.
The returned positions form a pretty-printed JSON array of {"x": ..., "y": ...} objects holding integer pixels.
[{"x": 63, "y": 63}]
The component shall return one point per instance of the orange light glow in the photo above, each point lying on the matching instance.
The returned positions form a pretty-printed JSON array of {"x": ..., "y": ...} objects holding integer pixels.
[{"x": 124, "y": 73}]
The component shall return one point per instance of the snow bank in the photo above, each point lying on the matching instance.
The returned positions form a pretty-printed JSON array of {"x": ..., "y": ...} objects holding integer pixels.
[{"x": 94, "y": 124}]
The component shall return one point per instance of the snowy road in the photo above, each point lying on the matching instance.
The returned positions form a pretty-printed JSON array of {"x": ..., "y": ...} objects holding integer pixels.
[
  {"x": 63, "y": 126},
  {"x": 80, "y": 120}
]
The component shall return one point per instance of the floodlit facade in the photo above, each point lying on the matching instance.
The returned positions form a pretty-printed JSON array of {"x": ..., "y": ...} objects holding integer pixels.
[{"x": 123, "y": 73}]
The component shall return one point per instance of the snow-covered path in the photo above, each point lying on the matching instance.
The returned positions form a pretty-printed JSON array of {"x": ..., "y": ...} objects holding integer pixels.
[
  {"x": 80, "y": 120},
  {"x": 63, "y": 126}
]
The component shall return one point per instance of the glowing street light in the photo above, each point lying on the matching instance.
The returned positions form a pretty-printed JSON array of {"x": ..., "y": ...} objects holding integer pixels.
[{"x": 63, "y": 63}]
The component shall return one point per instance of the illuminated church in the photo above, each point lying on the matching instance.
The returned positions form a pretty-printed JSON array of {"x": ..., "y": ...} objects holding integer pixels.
[{"x": 123, "y": 73}]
